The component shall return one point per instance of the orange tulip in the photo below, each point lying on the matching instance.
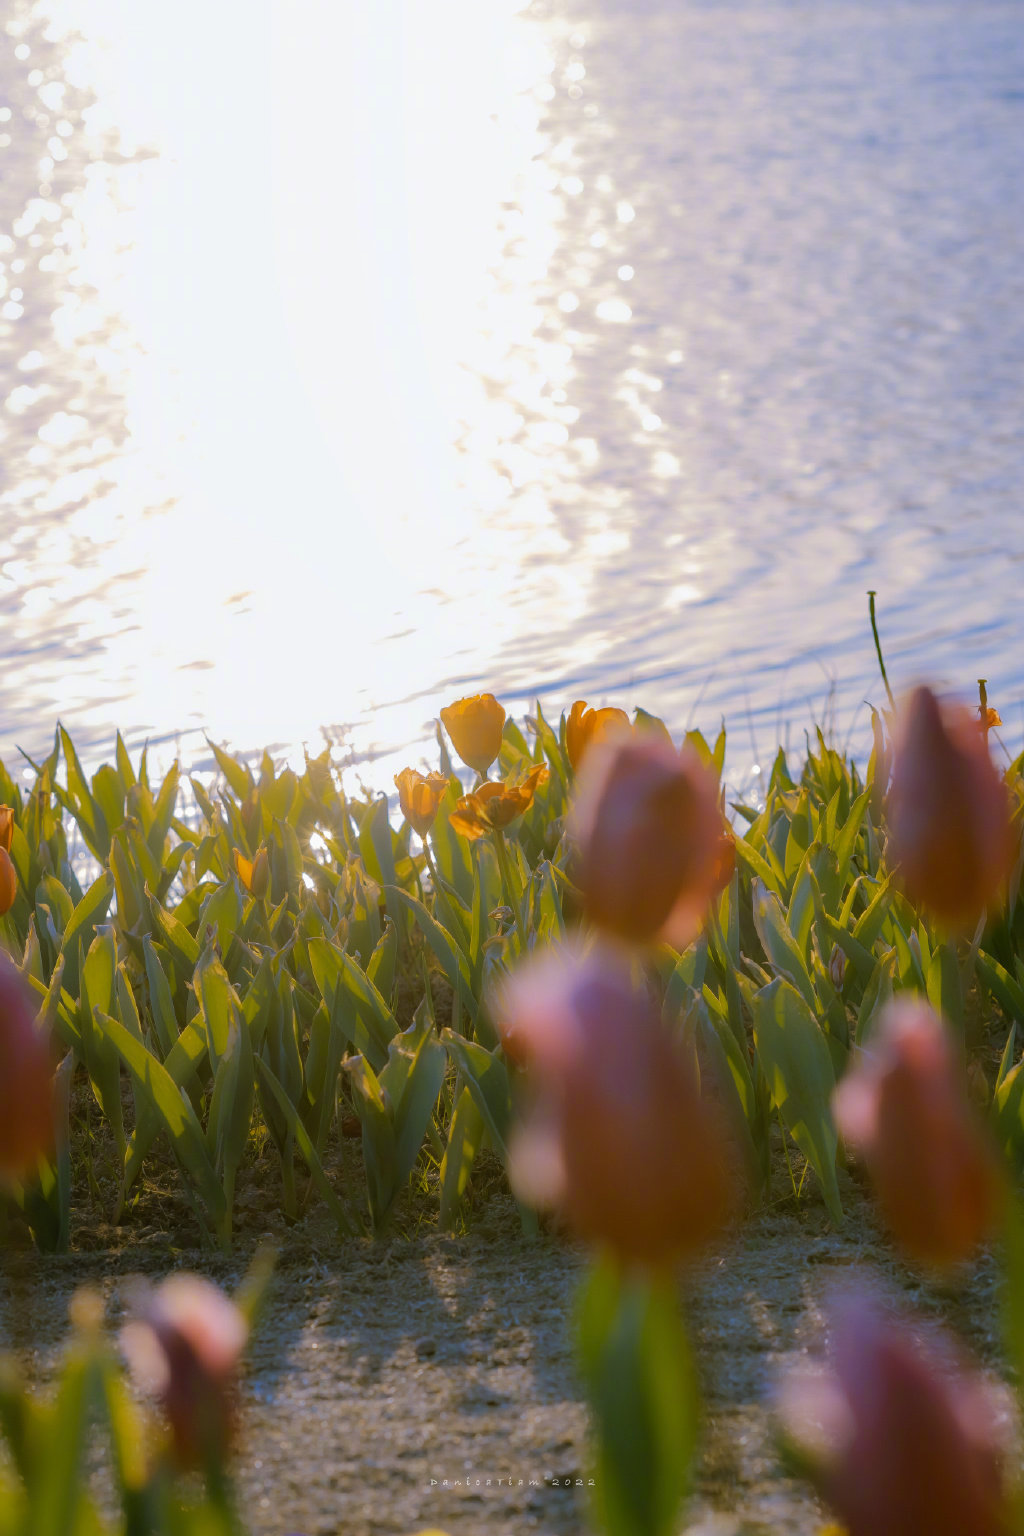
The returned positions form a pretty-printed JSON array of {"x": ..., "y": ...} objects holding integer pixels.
[
  {"x": 6, "y": 827},
  {"x": 26, "y": 1078},
  {"x": 491, "y": 807},
  {"x": 649, "y": 832},
  {"x": 475, "y": 726},
  {"x": 584, "y": 725},
  {"x": 619, "y": 1139},
  {"x": 904, "y": 1107},
  {"x": 420, "y": 796},
  {"x": 949, "y": 812},
  {"x": 184, "y": 1348},
  {"x": 8, "y": 882},
  {"x": 901, "y": 1437},
  {"x": 253, "y": 873}
]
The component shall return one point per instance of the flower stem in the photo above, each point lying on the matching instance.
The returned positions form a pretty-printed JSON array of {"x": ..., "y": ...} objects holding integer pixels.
[
  {"x": 506, "y": 884},
  {"x": 878, "y": 648}
]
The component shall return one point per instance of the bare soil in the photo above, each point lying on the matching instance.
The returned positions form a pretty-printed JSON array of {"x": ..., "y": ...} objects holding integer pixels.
[{"x": 427, "y": 1380}]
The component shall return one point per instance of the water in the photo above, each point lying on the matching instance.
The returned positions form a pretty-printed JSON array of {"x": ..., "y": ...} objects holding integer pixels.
[{"x": 356, "y": 358}]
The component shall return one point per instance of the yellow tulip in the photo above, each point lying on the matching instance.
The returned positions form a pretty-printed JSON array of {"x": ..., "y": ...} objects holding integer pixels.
[
  {"x": 475, "y": 726},
  {"x": 420, "y": 797},
  {"x": 585, "y": 725},
  {"x": 493, "y": 806},
  {"x": 253, "y": 873},
  {"x": 6, "y": 827}
]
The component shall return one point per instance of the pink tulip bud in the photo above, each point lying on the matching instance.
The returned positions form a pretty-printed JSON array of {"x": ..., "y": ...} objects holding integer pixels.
[
  {"x": 648, "y": 829},
  {"x": 619, "y": 1139},
  {"x": 905, "y": 1108},
  {"x": 900, "y": 1438},
  {"x": 949, "y": 812},
  {"x": 26, "y": 1080},
  {"x": 185, "y": 1347}
]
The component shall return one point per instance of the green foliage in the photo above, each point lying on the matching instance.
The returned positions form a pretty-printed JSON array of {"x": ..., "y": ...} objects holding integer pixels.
[{"x": 209, "y": 1021}]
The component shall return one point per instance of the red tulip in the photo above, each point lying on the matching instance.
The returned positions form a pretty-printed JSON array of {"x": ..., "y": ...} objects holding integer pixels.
[
  {"x": 26, "y": 1080},
  {"x": 949, "y": 812},
  {"x": 649, "y": 836},
  {"x": 900, "y": 1438},
  {"x": 619, "y": 1138},
  {"x": 905, "y": 1108},
  {"x": 185, "y": 1347}
]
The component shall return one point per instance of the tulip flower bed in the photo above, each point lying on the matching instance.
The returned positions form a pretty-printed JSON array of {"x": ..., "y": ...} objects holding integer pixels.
[{"x": 660, "y": 1009}]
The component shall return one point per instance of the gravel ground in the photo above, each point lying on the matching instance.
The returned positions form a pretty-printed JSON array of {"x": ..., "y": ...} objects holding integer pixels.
[{"x": 381, "y": 1370}]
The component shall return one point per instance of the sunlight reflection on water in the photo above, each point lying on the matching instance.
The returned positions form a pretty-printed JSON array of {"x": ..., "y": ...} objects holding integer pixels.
[{"x": 359, "y": 357}]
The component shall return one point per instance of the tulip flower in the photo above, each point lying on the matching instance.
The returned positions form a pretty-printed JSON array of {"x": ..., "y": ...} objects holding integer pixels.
[
  {"x": 649, "y": 832},
  {"x": 949, "y": 812},
  {"x": 184, "y": 1347},
  {"x": 585, "y": 725},
  {"x": 491, "y": 807},
  {"x": 26, "y": 1079},
  {"x": 8, "y": 882},
  {"x": 619, "y": 1139},
  {"x": 253, "y": 873},
  {"x": 420, "y": 797},
  {"x": 900, "y": 1438},
  {"x": 904, "y": 1107},
  {"x": 475, "y": 726},
  {"x": 6, "y": 827}
]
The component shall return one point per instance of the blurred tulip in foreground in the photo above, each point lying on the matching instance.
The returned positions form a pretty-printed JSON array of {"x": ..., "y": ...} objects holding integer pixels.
[
  {"x": 475, "y": 726},
  {"x": 649, "y": 833},
  {"x": 493, "y": 806},
  {"x": 949, "y": 811},
  {"x": 584, "y": 725},
  {"x": 185, "y": 1347},
  {"x": 26, "y": 1079},
  {"x": 420, "y": 797},
  {"x": 8, "y": 882},
  {"x": 619, "y": 1139},
  {"x": 899, "y": 1437},
  {"x": 904, "y": 1107}
]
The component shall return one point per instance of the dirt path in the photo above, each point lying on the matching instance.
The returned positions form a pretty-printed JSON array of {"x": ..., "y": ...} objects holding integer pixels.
[{"x": 380, "y": 1370}]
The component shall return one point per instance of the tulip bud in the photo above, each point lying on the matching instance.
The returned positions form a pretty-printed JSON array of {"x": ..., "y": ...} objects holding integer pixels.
[
  {"x": 475, "y": 726},
  {"x": 8, "y": 882},
  {"x": 837, "y": 967},
  {"x": 649, "y": 834},
  {"x": 6, "y": 827},
  {"x": 253, "y": 873},
  {"x": 619, "y": 1139},
  {"x": 904, "y": 1107},
  {"x": 261, "y": 873},
  {"x": 900, "y": 1438},
  {"x": 949, "y": 813},
  {"x": 184, "y": 1347},
  {"x": 26, "y": 1079}
]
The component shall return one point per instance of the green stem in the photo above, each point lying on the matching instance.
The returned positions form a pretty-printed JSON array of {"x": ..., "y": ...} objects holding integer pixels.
[
  {"x": 506, "y": 884},
  {"x": 878, "y": 648},
  {"x": 789, "y": 1165}
]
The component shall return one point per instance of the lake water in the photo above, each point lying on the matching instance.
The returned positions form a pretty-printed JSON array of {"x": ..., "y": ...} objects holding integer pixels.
[{"x": 355, "y": 357}]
